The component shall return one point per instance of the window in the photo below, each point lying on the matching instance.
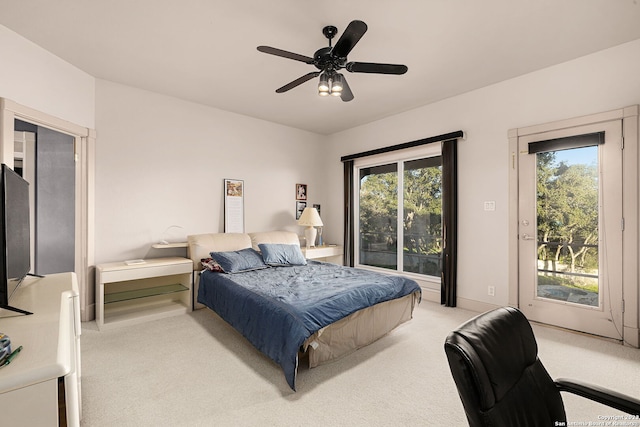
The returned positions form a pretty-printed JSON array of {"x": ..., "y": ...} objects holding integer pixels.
[
  {"x": 422, "y": 243},
  {"x": 378, "y": 216},
  {"x": 399, "y": 212},
  {"x": 416, "y": 166}
]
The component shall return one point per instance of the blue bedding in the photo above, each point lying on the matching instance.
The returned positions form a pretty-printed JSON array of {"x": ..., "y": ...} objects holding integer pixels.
[{"x": 278, "y": 308}]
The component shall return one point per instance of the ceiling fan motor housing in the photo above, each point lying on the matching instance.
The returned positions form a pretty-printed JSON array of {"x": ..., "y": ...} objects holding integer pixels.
[{"x": 324, "y": 60}]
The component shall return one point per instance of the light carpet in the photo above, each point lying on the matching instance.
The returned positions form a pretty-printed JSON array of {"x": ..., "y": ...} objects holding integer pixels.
[{"x": 195, "y": 370}]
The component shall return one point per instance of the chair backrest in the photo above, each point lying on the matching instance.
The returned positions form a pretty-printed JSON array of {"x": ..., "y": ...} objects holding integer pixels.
[{"x": 501, "y": 382}]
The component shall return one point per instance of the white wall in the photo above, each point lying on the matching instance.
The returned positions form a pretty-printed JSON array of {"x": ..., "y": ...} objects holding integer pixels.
[
  {"x": 31, "y": 76},
  {"x": 600, "y": 82},
  {"x": 161, "y": 161}
]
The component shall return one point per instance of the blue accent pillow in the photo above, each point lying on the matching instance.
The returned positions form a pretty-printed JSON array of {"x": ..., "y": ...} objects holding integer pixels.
[
  {"x": 238, "y": 261},
  {"x": 279, "y": 254}
]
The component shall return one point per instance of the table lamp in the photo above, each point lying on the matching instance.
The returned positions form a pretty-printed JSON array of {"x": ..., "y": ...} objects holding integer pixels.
[{"x": 311, "y": 219}]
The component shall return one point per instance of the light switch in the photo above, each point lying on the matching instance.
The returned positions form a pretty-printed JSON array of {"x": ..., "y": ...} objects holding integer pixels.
[{"x": 490, "y": 206}]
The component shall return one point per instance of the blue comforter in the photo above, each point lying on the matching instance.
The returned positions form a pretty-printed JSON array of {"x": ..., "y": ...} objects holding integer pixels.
[{"x": 278, "y": 308}]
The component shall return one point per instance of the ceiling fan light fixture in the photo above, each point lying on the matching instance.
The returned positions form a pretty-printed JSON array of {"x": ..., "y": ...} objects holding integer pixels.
[
  {"x": 337, "y": 84},
  {"x": 323, "y": 85}
]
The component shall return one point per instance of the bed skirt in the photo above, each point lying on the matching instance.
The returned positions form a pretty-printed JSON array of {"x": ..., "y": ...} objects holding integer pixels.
[{"x": 358, "y": 329}]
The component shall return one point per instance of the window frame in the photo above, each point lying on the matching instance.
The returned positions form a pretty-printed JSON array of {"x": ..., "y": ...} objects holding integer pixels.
[{"x": 399, "y": 157}]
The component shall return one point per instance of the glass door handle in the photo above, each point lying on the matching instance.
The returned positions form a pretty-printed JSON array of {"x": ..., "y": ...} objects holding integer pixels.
[{"x": 527, "y": 237}]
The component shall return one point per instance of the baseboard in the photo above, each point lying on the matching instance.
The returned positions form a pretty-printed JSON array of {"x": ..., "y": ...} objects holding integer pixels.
[
  {"x": 430, "y": 295},
  {"x": 88, "y": 313},
  {"x": 433, "y": 295},
  {"x": 473, "y": 305},
  {"x": 632, "y": 337}
]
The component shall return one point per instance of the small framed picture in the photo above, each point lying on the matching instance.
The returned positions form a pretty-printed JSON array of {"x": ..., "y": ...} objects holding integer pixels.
[
  {"x": 301, "y": 191},
  {"x": 299, "y": 208},
  {"x": 233, "y": 206},
  {"x": 317, "y": 206}
]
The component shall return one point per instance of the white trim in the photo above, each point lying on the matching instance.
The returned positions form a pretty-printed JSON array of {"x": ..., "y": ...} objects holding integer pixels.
[
  {"x": 631, "y": 235},
  {"x": 85, "y": 146},
  {"x": 571, "y": 123},
  {"x": 474, "y": 305},
  {"x": 630, "y": 197},
  {"x": 42, "y": 119}
]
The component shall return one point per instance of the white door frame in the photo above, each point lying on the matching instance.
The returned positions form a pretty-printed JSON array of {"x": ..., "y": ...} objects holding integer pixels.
[
  {"x": 630, "y": 197},
  {"x": 85, "y": 154}
]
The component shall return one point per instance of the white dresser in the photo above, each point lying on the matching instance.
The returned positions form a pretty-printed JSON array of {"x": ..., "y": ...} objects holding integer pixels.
[{"x": 41, "y": 386}]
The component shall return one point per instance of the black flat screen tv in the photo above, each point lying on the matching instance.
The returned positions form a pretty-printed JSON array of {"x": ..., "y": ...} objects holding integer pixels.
[{"x": 15, "y": 242}]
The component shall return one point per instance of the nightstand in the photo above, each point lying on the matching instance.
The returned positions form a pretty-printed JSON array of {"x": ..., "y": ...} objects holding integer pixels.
[
  {"x": 328, "y": 253},
  {"x": 129, "y": 293}
]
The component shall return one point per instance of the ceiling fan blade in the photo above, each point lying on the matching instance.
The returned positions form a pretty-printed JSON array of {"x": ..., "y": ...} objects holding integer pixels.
[
  {"x": 298, "y": 81},
  {"x": 285, "y": 54},
  {"x": 346, "y": 94},
  {"x": 351, "y": 35},
  {"x": 371, "y": 67}
]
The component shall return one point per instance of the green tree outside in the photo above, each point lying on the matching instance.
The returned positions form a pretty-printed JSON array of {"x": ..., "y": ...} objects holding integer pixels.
[
  {"x": 421, "y": 215},
  {"x": 567, "y": 219}
]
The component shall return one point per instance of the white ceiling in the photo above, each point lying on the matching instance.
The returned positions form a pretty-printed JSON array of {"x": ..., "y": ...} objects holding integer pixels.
[{"x": 205, "y": 50}]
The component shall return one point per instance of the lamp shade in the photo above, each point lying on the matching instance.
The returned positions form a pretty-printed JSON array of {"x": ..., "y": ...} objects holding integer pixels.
[{"x": 310, "y": 217}]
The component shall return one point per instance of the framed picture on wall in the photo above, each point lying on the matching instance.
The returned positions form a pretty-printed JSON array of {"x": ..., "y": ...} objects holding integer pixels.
[
  {"x": 301, "y": 191},
  {"x": 299, "y": 208},
  {"x": 317, "y": 206},
  {"x": 233, "y": 206}
]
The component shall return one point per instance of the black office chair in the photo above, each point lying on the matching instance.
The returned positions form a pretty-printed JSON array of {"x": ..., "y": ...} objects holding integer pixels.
[{"x": 501, "y": 382}]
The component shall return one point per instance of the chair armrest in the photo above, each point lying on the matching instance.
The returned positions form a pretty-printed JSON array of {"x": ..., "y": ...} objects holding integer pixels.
[{"x": 598, "y": 394}]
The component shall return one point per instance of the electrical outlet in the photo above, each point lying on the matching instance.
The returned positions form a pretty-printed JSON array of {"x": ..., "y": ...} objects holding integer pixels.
[{"x": 491, "y": 291}]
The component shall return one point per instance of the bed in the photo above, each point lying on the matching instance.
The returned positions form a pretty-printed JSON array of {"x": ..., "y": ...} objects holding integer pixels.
[{"x": 289, "y": 308}]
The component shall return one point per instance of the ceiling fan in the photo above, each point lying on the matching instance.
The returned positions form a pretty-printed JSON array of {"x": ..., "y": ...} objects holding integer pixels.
[{"x": 330, "y": 60}]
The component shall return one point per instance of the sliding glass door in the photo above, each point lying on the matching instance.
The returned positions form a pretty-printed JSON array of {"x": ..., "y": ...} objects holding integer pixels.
[{"x": 399, "y": 219}]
